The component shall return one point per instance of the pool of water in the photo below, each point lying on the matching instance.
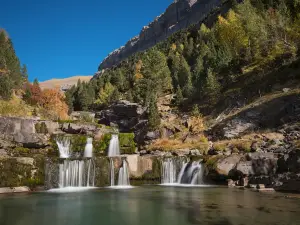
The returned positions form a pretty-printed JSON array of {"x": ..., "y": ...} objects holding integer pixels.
[{"x": 150, "y": 205}]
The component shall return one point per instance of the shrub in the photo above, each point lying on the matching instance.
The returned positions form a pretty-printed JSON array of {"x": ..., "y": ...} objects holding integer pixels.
[
  {"x": 102, "y": 144},
  {"x": 127, "y": 143}
]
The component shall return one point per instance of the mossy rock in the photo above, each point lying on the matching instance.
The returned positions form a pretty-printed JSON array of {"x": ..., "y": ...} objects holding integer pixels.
[
  {"x": 22, "y": 171},
  {"x": 127, "y": 144},
  {"x": 101, "y": 146},
  {"x": 41, "y": 128}
]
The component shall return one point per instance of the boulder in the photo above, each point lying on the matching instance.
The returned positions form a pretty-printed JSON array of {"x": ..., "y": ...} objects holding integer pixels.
[
  {"x": 225, "y": 165},
  {"x": 129, "y": 117},
  {"x": 78, "y": 128}
]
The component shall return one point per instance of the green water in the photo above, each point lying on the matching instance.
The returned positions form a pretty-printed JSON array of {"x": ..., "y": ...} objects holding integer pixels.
[{"x": 150, "y": 205}]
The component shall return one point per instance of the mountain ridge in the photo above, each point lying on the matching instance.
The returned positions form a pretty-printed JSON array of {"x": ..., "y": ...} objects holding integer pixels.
[{"x": 178, "y": 16}]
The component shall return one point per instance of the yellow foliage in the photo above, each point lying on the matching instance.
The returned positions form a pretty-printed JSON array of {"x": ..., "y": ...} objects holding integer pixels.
[
  {"x": 175, "y": 144},
  {"x": 15, "y": 107},
  {"x": 173, "y": 47},
  {"x": 138, "y": 76},
  {"x": 52, "y": 100},
  {"x": 231, "y": 32}
]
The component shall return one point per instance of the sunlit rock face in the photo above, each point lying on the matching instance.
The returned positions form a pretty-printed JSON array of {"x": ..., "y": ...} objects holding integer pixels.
[{"x": 179, "y": 15}]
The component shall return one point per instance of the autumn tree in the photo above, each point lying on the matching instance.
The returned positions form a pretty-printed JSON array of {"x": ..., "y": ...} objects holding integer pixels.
[{"x": 53, "y": 101}]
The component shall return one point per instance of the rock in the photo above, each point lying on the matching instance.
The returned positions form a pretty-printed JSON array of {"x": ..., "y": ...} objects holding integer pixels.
[
  {"x": 152, "y": 135},
  {"x": 230, "y": 183},
  {"x": 212, "y": 152},
  {"x": 285, "y": 90},
  {"x": 81, "y": 115},
  {"x": 195, "y": 152},
  {"x": 77, "y": 128},
  {"x": 287, "y": 182},
  {"x": 225, "y": 165},
  {"x": 143, "y": 152},
  {"x": 179, "y": 15},
  {"x": 260, "y": 186},
  {"x": 6, "y": 190},
  {"x": 31, "y": 140},
  {"x": 129, "y": 117}
]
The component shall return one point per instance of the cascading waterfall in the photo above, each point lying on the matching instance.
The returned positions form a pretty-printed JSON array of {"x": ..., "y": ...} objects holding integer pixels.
[
  {"x": 112, "y": 172},
  {"x": 64, "y": 147},
  {"x": 168, "y": 171},
  {"x": 123, "y": 179},
  {"x": 88, "y": 150},
  {"x": 77, "y": 173},
  {"x": 114, "y": 148},
  {"x": 190, "y": 172}
]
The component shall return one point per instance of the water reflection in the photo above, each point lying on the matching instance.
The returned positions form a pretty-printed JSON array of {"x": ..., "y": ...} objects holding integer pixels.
[{"x": 150, "y": 205}]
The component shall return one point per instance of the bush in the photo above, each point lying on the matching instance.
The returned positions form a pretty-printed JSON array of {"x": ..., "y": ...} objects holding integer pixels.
[
  {"x": 127, "y": 144},
  {"x": 102, "y": 145}
]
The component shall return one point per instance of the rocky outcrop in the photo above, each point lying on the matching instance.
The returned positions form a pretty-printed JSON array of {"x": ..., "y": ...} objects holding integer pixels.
[
  {"x": 21, "y": 171},
  {"x": 129, "y": 117},
  {"x": 267, "y": 115},
  {"x": 238, "y": 166},
  {"x": 288, "y": 173},
  {"x": 29, "y": 133},
  {"x": 179, "y": 15}
]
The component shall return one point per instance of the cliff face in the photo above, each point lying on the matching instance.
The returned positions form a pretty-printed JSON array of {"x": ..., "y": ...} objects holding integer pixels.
[{"x": 179, "y": 15}]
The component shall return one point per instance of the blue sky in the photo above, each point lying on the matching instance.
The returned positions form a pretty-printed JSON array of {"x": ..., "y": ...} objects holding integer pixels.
[{"x": 63, "y": 38}]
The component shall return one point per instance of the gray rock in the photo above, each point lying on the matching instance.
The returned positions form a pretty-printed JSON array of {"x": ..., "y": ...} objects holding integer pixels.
[
  {"x": 179, "y": 15},
  {"x": 195, "y": 152},
  {"x": 77, "y": 128},
  {"x": 152, "y": 135}
]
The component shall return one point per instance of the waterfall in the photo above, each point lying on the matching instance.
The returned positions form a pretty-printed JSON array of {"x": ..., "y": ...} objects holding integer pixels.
[
  {"x": 168, "y": 171},
  {"x": 64, "y": 147},
  {"x": 88, "y": 150},
  {"x": 114, "y": 148},
  {"x": 123, "y": 179},
  {"x": 112, "y": 172},
  {"x": 189, "y": 173},
  {"x": 76, "y": 173},
  {"x": 181, "y": 172}
]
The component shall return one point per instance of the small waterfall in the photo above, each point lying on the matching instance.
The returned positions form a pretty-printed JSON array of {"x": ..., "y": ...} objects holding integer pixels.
[
  {"x": 112, "y": 172},
  {"x": 123, "y": 179},
  {"x": 181, "y": 172},
  {"x": 114, "y": 148},
  {"x": 88, "y": 150},
  {"x": 76, "y": 173},
  {"x": 169, "y": 171},
  {"x": 64, "y": 147},
  {"x": 189, "y": 173}
]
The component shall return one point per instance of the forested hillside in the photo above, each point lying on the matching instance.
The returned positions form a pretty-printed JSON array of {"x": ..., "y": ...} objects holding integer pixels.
[
  {"x": 242, "y": 48},
  {"x": 18, "y": 97}
]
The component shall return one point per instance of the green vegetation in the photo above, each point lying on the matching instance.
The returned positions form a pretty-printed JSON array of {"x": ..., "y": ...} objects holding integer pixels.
[
  {"x": 252, "y": 39},
  {"x": 127, "y": 144},
  {"x": 41, "y": 128},
  {"x": 12, "y": 75},
  {"x": 100, "y": 146}
]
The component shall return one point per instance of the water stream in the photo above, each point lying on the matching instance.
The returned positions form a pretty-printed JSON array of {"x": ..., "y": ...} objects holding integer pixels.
[
  {"x": 114, "y": 147},
  {"x": 179, "y": 171}
]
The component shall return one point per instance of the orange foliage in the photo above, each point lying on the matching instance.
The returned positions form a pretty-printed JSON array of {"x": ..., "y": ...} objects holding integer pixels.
[{"x": 53, "y": 101}]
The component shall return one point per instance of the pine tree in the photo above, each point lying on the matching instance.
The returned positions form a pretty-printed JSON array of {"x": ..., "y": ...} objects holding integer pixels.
[
  {"x": 154, "y": 118},
  {"x": 212, "y": 86},
  {"x": 179, "y": 96}
]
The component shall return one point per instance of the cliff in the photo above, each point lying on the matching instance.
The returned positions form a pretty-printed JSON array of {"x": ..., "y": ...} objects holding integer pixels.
[{"x": 179, "y": 15}]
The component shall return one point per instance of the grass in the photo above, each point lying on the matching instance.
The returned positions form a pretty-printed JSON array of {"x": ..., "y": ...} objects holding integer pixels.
[
  {"x": 15, "y": 107},
  {"x": 237, "y": 145},
  {"x": 176, "y": 144}
]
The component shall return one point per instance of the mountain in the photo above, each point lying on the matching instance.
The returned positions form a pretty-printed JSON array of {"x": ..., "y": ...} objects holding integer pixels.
[
  {"x": 179, "y": 15},
  {"x": 65, "y": 83}
]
